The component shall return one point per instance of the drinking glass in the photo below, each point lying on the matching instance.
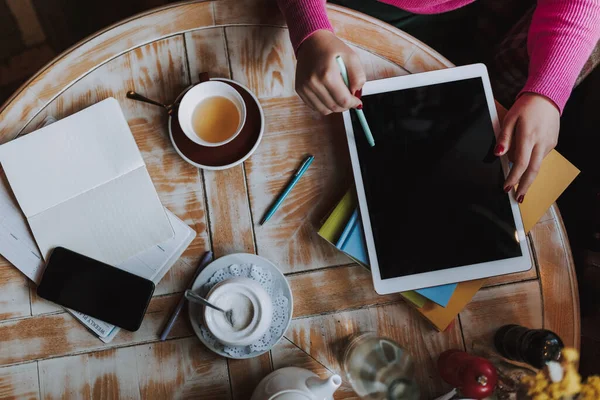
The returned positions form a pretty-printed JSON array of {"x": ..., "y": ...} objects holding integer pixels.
[{"x": 379, "y": 369}]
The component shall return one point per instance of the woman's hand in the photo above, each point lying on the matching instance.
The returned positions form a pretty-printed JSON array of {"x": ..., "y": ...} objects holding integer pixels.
[
  {"x": 529, "y": 133},
  {"x": 318, "y": 79}
]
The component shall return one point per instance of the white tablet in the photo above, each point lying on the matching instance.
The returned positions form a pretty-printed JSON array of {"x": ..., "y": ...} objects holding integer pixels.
[{"x": 431, "y": 190}]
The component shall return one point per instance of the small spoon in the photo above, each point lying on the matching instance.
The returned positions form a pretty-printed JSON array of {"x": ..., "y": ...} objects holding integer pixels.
[
  {"x": 194, "y": 298},
  {"x": 136, "y": 96}
]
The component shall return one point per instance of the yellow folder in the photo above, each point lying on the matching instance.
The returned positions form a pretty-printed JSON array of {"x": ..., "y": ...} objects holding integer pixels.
[{"x": 556, "y": 174}]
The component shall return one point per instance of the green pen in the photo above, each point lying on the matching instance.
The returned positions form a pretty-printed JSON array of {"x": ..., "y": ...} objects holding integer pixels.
[
  {"x": 359, "y": 113},
  {"x": 288, "y": 188}
]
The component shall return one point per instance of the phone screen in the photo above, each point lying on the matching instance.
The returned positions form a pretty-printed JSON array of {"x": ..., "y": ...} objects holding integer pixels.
[{"x": 96, "y": 289}]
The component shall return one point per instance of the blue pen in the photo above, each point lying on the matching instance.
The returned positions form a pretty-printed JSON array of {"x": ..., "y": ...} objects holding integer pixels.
[
  {"x": 288, "y": 188},
  {"x": 359, "y": 113}
]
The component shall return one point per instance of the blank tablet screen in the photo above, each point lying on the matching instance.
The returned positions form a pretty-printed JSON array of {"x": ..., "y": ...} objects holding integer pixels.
[{"x": 432, "y": 183}]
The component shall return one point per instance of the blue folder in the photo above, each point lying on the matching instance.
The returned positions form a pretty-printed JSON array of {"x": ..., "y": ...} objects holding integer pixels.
[{"x": 352, "y": 242}]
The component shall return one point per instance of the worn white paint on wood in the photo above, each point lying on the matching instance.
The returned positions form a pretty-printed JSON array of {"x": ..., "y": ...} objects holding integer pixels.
[
  {"x": 207, "y": 52},
  {"x": 14, "y": 292},
  {"x": 60, "y": 334},
  {"x": 558, "y": 278},
  {"x": 41, "y": 306},
  {"x": 245, "y": 374},
  {"x": 262, "y": 59},
  {"x": 287, "y": 354},
  {"x": 229, "y": 212},
  {"x": 377, "y": 67},
  {"x": 107, "y": 374},
  {"x": 175, "y": 369},
  {"x": 325, "y": 337},
  {"x": 290, "y": 238},
  {"x": 491, "y": 308},
  {"x": 97, "y": 50},
  {"x": 19, "y": 382},
  {"x": 402, "y": 323},
  {"x": 339, "y": 289}
]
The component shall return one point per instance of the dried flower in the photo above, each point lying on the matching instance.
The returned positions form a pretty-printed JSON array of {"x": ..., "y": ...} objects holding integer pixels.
[{"x": 552, "y": 384}]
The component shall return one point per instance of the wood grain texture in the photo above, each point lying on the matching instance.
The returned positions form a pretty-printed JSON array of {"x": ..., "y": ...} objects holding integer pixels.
[
  {"x": 371, "y": 34},
  {"x": 262, "y": 12},
  {"x": 174, "y": 369},
  {"x": 377, "y": 67},
  {"x": 339, "y": 289},
  {"x": 558, "y": 280},
  {"x": 207, "y": 52},
  {"x": 162, "y": 52},
  {"x": 287, "y": 354},
  {"x": 19, "y": 382},
  {"x": 229, "y": 212},
  {"x": 262, "y": 59},
  {"x": 245, "y": 374},
  {"x": 325, "y": 337},
  {"x": 14, "y": 292},
  {"x": 290, "y": 238},
  {"x": 491, "y": 308},
  {"x": 401, "y": 323},
  {"x": 54, "y": 335},
  {"x": 93, "y": 52},
  {"x": 40, "y": 306}
]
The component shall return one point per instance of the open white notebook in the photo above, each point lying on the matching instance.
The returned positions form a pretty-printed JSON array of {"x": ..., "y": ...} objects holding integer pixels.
[
  {"x": 83, "y": 185},
  {"x": 18, "y": 247}
]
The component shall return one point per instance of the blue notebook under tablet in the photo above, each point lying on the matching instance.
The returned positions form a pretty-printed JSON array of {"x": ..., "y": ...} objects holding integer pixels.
[{"x": 352, "y": 242}]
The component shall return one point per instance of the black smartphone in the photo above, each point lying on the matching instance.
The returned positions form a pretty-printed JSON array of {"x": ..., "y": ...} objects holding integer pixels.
[{"x": 96, "y": 289}]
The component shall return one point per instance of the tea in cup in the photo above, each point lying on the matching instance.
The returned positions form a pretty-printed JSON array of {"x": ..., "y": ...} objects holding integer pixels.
[{"x": 212, "y": 113}]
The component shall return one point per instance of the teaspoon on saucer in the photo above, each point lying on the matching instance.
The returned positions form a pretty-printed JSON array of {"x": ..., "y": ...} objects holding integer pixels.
[{"x": 194, "y": 298}]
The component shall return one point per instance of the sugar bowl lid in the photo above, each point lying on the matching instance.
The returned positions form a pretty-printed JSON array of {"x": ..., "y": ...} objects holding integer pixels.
[{"x": 251, "y": 311}]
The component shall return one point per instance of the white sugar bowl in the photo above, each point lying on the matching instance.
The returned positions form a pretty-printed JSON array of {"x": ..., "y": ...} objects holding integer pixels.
[{"x": 251, "y": 311}]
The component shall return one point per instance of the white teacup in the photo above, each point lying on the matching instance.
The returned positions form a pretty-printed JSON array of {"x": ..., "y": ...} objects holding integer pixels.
[{"x": 201, "y": 92}]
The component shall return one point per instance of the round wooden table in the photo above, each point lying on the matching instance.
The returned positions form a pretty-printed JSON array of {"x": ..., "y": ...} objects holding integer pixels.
[{"x": 45, "y": 352}]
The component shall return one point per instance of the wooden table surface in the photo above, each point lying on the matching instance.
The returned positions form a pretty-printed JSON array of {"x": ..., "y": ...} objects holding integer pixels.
[{"x": 46, "y": 353}]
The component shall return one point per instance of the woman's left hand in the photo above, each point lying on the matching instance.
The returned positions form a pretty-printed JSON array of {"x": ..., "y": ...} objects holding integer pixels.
[{"x": 529, "y": 133}]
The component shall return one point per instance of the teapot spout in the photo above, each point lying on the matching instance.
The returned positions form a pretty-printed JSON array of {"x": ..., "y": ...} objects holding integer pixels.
[{"x": 323, "y": 388}]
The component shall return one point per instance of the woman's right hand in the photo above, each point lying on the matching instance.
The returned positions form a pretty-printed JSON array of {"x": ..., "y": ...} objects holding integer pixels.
[{"x": 318, "y": 79}]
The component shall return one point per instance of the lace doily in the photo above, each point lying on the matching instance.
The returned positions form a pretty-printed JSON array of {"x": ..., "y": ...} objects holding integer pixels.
[{"x": 281, "y": 309}]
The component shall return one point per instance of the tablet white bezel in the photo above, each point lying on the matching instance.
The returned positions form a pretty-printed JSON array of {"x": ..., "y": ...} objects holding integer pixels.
[{"x": 449, "y": 275}]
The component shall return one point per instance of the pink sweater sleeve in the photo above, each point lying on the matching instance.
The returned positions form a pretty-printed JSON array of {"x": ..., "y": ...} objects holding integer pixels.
[
  {"x": 562, "y": 36},
  {"x": 304, "y": 17}
]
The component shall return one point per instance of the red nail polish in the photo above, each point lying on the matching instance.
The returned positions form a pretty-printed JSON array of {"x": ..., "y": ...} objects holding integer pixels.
[
  {"x": 520, "y": 199},
  {"x": 508, "y": 188},
  {"x": 498, "y": 149},
  {"x": 358, "y": 93},
  {"x": 359, "y": 107}
]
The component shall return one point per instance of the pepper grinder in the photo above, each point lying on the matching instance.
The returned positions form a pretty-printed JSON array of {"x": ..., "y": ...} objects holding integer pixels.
[{"x": 532, "y": 346}]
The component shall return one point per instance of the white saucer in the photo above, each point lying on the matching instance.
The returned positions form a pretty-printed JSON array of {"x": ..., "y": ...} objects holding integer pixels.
[{"x": 279, "y": 282}]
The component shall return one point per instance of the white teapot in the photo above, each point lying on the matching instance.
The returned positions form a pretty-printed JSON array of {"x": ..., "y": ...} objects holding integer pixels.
[{"x": 292, "y": 383}]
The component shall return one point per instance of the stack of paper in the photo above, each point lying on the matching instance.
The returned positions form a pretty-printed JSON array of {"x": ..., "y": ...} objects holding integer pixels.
[
  {"x": 18, "y": 247},
  {"x": 96, "y": 198},
  {"x": 83, "y": 185}
]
